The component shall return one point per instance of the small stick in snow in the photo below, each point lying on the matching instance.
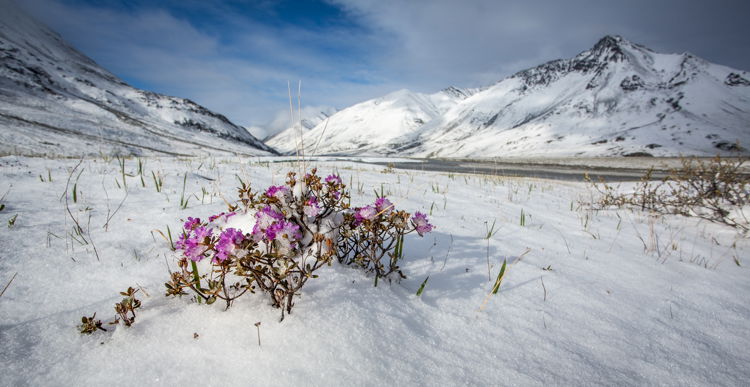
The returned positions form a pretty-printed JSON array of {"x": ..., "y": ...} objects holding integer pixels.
[
  {"x": 142, "y": 289},
  {"x": 9, "y": 282},
  {"x": 109, "y": 217},
  {"x": 446, "y": 254},
  {"x": 257, "y": 326}
]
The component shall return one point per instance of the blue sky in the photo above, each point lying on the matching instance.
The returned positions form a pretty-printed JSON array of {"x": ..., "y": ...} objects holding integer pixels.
[{"x": 236, "y": 57}]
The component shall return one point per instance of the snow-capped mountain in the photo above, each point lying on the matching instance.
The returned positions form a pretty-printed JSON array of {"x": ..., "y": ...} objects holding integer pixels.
[
  {"x": 369, "y": 126},
  {"x": 286, "y": 140},
  {"x": 618, "y": 98},
  {"x": 56, "y": 101}
]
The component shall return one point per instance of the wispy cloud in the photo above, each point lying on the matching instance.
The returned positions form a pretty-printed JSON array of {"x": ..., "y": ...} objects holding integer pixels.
[{"x": 240, "y": 71}]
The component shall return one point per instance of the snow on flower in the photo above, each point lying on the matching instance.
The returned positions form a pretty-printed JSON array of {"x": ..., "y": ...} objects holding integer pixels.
[
  {"x": 286, "y": 234},
  {"x": 227, "y": 244},
  {"x": 311, "y": 208},
  {"x": 364, "y": 213},
  {"x": 277, "y": 191},
  {"x": 421, "y": 224},
  {"x": 264, "y": 218},
  {"x": 383, "y": 205},
  {"x": 225, "y": 215}
]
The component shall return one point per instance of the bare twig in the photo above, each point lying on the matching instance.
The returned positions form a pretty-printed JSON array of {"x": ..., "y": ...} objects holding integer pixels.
[
  {"x": 446, "y": 254},
  {"x": 9, "y": 282},
  {"x": 109, "y": 217},
  {"x": 88, "y": 231},
  {"x": 65, "y": 194}
]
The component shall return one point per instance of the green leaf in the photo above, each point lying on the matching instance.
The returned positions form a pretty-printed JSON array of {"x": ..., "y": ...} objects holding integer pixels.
[
  {"x": 421, "y": 287},
  {"x": 196, "y": 278},
  {"x": 12, "y": 221},
  {"x": 500, "y": 276},
  {"x": 171, "y": 243}
]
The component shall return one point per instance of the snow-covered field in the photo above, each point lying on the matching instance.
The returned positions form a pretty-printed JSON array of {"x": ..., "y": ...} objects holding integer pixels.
[{"x": 609, "y": 297}]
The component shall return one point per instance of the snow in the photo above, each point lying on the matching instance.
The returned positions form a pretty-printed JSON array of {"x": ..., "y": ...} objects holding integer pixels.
[{"x": 628, "y": 298}]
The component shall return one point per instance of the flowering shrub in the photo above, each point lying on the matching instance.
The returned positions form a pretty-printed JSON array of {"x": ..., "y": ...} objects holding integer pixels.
[
  {"x": 373, "y": 237},
  {"x": 272, "y": 242},
  {"x": 275, "y": 241}
]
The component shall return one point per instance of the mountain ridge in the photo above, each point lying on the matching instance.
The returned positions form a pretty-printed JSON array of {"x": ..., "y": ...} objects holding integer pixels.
[
  {"x": 617, "y": 98},
  {"x": 56, "y": 101}
]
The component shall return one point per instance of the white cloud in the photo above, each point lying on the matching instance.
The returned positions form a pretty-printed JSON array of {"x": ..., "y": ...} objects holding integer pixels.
[{"x": 471, "y": 43}]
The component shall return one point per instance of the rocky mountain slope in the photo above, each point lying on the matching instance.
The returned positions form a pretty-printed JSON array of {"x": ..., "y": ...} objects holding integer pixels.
[
  {"x": 618, "y": 98},
  {"x": 56, "y": 101}
]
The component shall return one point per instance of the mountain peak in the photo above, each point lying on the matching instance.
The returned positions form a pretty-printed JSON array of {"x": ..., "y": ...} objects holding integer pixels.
[
  {"x": 609, "y": 48},
  {"x": 455, "y": 92},
  {"x": 609, "y": 41}
]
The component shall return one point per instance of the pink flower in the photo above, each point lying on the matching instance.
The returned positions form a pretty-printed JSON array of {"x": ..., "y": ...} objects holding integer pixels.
[
  {"x": 228, "y": 241},
  {"x": 201, "y": 233},
  {"x": 383, "y": 205},
  {"x": 333, "y": 179},
  {"x": 277, "y": 191},
  {"x": 193, "y": 243},
  {"x": 286, "y": 230},
  {"x": 421, "y": 224},
  {"x": 364, "y": 213},
  {"x": 182, "y": 243},
  {"x": 192, "y": 223},
  {"x": 264, "y": 218}
]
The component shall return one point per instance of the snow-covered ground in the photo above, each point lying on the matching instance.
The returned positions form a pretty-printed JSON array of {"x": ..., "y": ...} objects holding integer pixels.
[{"x": 609, "y": 297}]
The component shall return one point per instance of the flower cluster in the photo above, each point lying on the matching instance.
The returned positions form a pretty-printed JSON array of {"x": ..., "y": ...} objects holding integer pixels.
[
  {"x": 195, "y": 240},
  {"x": 229, "y": 240},
  {"x": 373, "y": 237},
  {"x": 273, "y": 242}
]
